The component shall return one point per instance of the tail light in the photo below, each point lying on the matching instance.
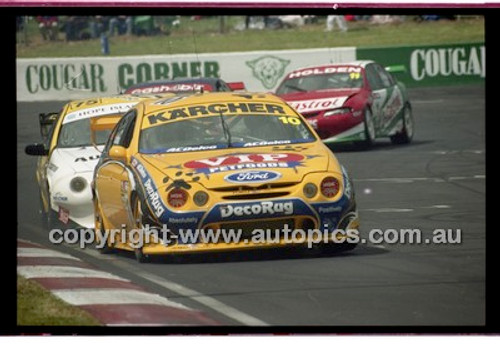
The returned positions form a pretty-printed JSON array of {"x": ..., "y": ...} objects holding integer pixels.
[
  {"x": 330, "y": 187},
  {"x": 177, "y": 197}
]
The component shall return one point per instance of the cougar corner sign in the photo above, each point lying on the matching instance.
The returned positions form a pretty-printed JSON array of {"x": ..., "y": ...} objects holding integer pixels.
[
  {"x": 436, "y": 65},
  {"x": 47, "y": 79}
]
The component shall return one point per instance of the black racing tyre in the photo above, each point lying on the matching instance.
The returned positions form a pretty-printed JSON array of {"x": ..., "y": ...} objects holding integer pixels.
[
  {"x": 49, "y": 219},
  {"x": 370, "y": 133},
  {"x": 338, "y": 247},
  {"x": 406, "y": 134},
  {"x": 138, "y": 215},
  {"x": 100, "y": 235},
  {"x": 43, "y": 214}
]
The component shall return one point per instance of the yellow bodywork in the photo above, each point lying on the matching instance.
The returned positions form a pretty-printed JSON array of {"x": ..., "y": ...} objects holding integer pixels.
[{"x": 127, "y": 173}]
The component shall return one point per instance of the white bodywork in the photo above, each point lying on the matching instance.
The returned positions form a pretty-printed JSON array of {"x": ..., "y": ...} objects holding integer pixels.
[{"x": 64, "y": 165}]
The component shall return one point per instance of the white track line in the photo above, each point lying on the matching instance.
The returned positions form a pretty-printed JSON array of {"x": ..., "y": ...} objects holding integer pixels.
[
  {"x": 181, "y": 290},
  {"x": 205, "y": 300},
  {"x": 114, "y": 296},
  {"x": 46, "y": 271},
  {"x": 415, "y": 179},
  {"x": 43, "y": 253}
]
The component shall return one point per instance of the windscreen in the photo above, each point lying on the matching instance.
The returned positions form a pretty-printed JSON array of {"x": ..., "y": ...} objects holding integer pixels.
[
  {"x": 214, "y": 132},
  {"x": 77, "y": 134},
  {"x": 321, "y": 82}
]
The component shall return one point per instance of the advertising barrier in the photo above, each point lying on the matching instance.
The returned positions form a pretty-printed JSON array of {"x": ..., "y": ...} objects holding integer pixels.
[
  {"x": 46, "y": 79},
  {"x": 436, "y": 65},
  {"x": 73, "y": 78}
]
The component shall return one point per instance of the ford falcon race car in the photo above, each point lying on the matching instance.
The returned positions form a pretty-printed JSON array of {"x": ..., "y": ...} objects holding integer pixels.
[
  {"x": 350, "y": 102},
  {"x": 212, "y": 163},
  {"x": 69, "y": 154},
  {"x": 185, "y": 85}
]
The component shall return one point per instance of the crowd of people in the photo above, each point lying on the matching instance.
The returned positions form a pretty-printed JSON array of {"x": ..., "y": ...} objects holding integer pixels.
[{"x": 74, "y": 28}]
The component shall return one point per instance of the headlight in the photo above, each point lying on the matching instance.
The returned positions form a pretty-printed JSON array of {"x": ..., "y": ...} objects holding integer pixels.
[
  {"x": 310, "y": 190},
  {"x": 177, "y": 197},
  {"x": 338, "y": 111},
  {"x": 78, "y": 184},
  {"x": 200, "y": 198},
  {"x": 330, "y": 187}
]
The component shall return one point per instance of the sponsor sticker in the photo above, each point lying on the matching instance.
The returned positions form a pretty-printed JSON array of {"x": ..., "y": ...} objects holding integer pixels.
[
  {"x": 324, "y": 70},
  {"x": 245, "y": 161},
  {"x": 98, "y": 111},
  {"x": 212, "y": 109},
  {"x": 317, "y": 104},
  {"x": 256, "y": 176},
  {"x": 171, "y": 88},
  {"x": 256, "y": 209}
]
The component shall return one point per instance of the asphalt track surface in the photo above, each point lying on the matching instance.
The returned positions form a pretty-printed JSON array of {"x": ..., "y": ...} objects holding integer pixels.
[{"x": 437, "y": 182}]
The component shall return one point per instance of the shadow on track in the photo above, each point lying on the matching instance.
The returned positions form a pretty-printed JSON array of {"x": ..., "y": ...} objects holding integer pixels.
[
  {"x": 271, "y": 254},
  {"x": 377, "y": 146}
]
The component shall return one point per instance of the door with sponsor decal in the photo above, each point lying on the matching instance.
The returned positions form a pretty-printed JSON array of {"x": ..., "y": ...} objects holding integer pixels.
[
  {"x": 391, "y": 100},
  {"x": 112, "y": 178},
  {"x": 379, "y": 95}
]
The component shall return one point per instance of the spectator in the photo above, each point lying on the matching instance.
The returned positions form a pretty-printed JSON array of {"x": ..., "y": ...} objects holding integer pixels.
[
  {"x": 49, "y": 27},
  {"x": 19, "y": 23},
  {"x": 362, "y": 17},
  {"x": 339, "y": 20},
  {"x": 74, "y": 26},
  {"x": 143, "y": 25},
  {"x": 382, "y": 19},
  {"x": 121, "y": 24},
  {"x": 97, "y": 26}
]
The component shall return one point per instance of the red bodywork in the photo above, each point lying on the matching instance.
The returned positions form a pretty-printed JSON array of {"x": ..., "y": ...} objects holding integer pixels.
[{"x": 314, "y": 104}]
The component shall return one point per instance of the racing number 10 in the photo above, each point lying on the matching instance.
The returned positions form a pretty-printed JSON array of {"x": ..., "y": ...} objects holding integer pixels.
[{"x": 290, "y": 120}]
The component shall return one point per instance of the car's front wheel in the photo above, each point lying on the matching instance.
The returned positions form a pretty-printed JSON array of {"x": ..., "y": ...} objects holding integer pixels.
[
  {"x": 406, "y": 134},
  {"x": 47, "y": 218},
  {"x": 102, "y": 241},
  {"x": 138, "y": 217}
]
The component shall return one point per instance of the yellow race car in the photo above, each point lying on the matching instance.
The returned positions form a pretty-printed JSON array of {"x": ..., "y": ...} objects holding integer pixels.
[
  {"x": 219, "y": 171},
  {"x": 69, "y": 154}
]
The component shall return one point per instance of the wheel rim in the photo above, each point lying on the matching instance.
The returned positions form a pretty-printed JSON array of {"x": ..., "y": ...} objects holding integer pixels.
[
  {"x": 370, "y": 127},
  {"x": 408, "y": 122}
]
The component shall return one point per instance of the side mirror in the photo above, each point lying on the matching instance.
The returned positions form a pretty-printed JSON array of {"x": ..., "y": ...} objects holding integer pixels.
[
  {"x": 118, "y": 152},
  {"x": 46, "y": 121},
  {"x": 36, "y": 150}
]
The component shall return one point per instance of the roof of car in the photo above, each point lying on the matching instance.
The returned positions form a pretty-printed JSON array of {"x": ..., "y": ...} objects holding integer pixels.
[
  {"x": 109, "y": 104},
  {"x": 358, "y": 63},
  {"x": 208, "y": 98},
  {"x": 204, "y": 80}
]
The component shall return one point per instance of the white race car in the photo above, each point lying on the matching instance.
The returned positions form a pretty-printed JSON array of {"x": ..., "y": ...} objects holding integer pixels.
[{"x": 73, "y": 141}]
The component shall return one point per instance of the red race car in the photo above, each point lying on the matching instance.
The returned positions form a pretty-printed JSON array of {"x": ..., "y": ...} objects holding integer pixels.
[{"x": 350, "y": 102}]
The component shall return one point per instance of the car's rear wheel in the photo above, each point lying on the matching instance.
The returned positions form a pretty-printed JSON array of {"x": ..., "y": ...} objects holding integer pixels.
[
  {"x": 406, "y": 134},
  {"x": 138, "y": 217}
]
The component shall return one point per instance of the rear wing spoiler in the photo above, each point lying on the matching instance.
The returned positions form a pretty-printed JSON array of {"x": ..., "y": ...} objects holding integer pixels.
[
  {"x": 102, "y": 123},
  {"x": 46, "y": 121},
  {"x": 237, "y": 86}
]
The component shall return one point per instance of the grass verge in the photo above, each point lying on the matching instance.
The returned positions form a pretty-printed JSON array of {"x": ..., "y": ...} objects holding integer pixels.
[
  {"x": 203, "y": 36},
  {"x": 38, "y": 307}
]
